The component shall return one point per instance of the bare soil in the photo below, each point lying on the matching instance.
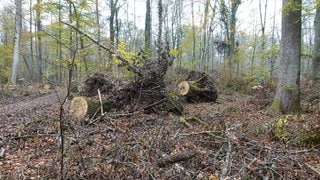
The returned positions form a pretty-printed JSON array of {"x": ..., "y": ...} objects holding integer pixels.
[{"x": 233, "y": 140}]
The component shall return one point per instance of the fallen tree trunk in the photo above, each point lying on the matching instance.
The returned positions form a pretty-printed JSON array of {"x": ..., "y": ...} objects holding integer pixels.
[
  {"x": 175, "y": 158},
  {"x": 86, "y": 107}
]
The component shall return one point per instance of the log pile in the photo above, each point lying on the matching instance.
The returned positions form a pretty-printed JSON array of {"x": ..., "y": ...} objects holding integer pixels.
[{"x": 146, "y": 93}]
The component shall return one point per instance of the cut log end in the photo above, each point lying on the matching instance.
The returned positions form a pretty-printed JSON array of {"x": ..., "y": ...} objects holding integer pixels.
[
  {"x": 78, "y": 107},
  {"x": 184, "y": 88},
  {"x": 81, "y": 107}
]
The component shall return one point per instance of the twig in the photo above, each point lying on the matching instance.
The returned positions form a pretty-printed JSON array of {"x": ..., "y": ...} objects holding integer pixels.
[
  {"x": 32, "y": 136},
  {"x": 210, "y": 133},
  {"x": 123, "y": 114},
  {"x": 101, "y": 105},
  {"x": 198, "y": 120},
  {"x": 184, "y": 122},
  {"x": 313, "y": 168},
  {"x": 177, "y": 157},
  {"x": 226, "y": 166},
  {"x": 150, "y": 105},
  {"x": 2, "y": 152}
]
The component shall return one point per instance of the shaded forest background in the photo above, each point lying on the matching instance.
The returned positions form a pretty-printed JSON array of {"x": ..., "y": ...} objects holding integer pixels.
[
  {"x": 249, "y": 72},
  {"x": 202, "y": 35}
]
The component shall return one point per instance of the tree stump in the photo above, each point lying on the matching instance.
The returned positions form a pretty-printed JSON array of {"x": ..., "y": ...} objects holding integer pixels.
[
  {"x": 85, "y": 107},
  {"x": 188, "y": 88},
  {"x": 198, "y": 87}
]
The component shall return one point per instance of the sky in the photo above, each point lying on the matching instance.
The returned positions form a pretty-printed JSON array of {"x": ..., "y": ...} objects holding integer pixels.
[{"x": 247, "y": 15}]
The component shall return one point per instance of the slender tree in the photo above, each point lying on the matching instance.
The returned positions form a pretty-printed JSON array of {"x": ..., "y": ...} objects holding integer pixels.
[
  {"x": 160, "y": 19},
  {"x": 17, "y": 36},
  {"x": 40, "y": 62},
  {"x": 60, "y": 70},
  {"x": 287, "y": 97},
  {"x": 113, "y": 5},
  {"x": 194, "y": 41},
  {"x": 205, "y": 48},
  {"x": 147, "y": 29},
  {"x": 316, "y": 54},
  {"x": 273, "y": 41},
  {"x": 232, "y": 42},
  {"x": 113, "y": 12},
  {"x": 263, "y": 19},
  {"x": 228, "y": 18},
  {"x": 98, "y": 28},
  {"x": 31, "y": 40}
]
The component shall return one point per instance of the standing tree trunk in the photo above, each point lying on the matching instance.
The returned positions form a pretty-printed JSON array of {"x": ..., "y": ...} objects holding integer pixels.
[
  {"x": 234, "y": 8},
  {"x": 17, "y": 35},
  {"x": 147, "y": 30},
  {"x": 39, "y": 42},
  {"x": 205, "y": 47},
  {"x": 60, "y": 70},
  {"x": 228, "y": 18},
  {"x": 194, "y": 41},
  {"x": 160, "y": 11},
  {"x": 316, "y": 54},
  {"x": 98, "y": 30},
  {"x": 287, "y": 97},
  {"x": 273, "y": 41},
  {"x": 113, "y": 10},
  {"x": 263, "y": 19},
  {"x": 111, "y": 22},
  {"x": 31, "y": 43}
]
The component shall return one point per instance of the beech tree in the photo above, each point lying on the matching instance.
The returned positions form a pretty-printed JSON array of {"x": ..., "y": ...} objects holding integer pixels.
[
  {"x": 17, "y": 36},
  {"x": 287, "y": 99},
  {"x": 228, "y": 19},
  {"x": 147, "y": 30},
  {"x": 40, "y": 62},
  {"x": 160, "y": 16},
  {"x": 316, "y": 53}
]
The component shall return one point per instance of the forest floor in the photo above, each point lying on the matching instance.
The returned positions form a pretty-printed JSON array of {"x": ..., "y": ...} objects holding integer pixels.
[{"x": 232, "y": 141}]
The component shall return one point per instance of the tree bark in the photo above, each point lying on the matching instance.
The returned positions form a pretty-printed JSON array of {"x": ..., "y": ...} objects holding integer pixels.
[
  {"x": 40, "y": 62},
  {"x": 287, "y": 99},
  {"x": 160, "y": 19},
  {"x": 98, "y": 30},
  {"x": 228, "y": 18},
  {"x": 32, "y": 69},
  {"x": 234, "y": 8},
  {"x": 17, "y": 36},
  {"x": 205, "y": 48},
  {"x": 316, "y": 54},
  {"x": 147, "y": 31}
]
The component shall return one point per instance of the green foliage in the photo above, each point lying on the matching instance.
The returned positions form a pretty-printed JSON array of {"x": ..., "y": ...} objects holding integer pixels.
[
  {"x": 273, "y": 50},
  {"x": 259, "y": 74},
  {"x": 279, "y": 128},
  {"x": 295, "y": 129},
  {"x": 175, "y": 52},
  {"x": 188, "y": 32},
  {"x": 291, "y": 6},
  {"x": 130, "y": 56},
  {"x": 228, "y": 81},
  {"x": 5, "y": 63}
]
